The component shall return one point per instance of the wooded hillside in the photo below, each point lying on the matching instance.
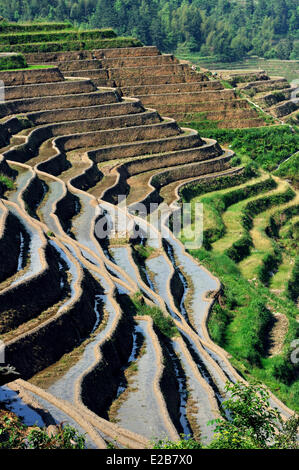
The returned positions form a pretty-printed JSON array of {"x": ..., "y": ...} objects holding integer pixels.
[{"x": 227, "y": 29}]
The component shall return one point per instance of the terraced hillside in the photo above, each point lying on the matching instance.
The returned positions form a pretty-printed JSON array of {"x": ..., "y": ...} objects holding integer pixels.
[
  {"x": 273, "y": 94},
  {"x": 159, "y": 81},
  {"x": 108, "y": 333},
  {"x": 250, "y": 243},
  {"x": 42, "y": 37},
  {"x": 62, "y": 141}
]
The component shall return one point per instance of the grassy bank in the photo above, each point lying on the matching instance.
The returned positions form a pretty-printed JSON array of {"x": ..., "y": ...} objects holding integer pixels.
[
  {"x": 242, "y": 321},
  {"x": 266, "y": 146}
]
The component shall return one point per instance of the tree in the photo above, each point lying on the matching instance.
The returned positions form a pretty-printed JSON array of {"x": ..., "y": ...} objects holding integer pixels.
[
  {"x": 284, "y": 49},
  {"x": 254, "y": 423},
  {"x": 295, "y": 51}
]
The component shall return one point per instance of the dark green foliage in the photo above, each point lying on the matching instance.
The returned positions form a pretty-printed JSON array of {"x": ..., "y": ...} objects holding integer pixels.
[
  {"x": 254, "y": 424},
  {"x": 51, "y": 36},
  {"x": 283, "y": 369},
  {"x": 252, "y": 326},
  {"x": 290, "y": 169},
  {"x": 293, "y": 284},
  {"x": 270, "y": 263},
  {"x": 260, "y": 205},
  {"x": 267, "y": 146},
  {"x": 11, "y": 62},
  {"x": 5, "y": 183},
  {"x": 278, "y": 219},
  {"x": 219, "y": 203},
  {"x": 191, "y": 190},
  {"x": 213, "y": 27},
  {"x": 182, "y": 444},
  {"x": 15, "y": 435},
  {"x": 241, "y": 248},
  {"x": 218, "y": 323},
  {"x": 73, "y": 45},
  {"x": 6, "y": 27}
]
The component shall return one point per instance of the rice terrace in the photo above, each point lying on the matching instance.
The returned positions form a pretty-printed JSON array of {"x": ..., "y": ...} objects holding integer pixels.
[{"x": 149, "y": 230}]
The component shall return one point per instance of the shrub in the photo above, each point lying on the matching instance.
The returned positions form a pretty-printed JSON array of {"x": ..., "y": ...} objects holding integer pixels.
[
  {"x": 73, "y": 45},
  {"x": 267, "y": 146},
  {"x": 10, "y": 62},
  {"x": 270, "y": 263},
  {"x": 15, "y": 435},
  {"x": 191, "y": 190},
  {"x": 293, "y": 283},
  {"x": 254, "y": 424},
  {"x": 50, "y": 36},
  {"x": 31, "y": 27},
  {"x": 181, "y": 444},
  {"x": 241, "y": 248},
  {"x": 6, "y": 181},
  {"x": 163, "y": 323},
  {"x": 235, "y": 161}
]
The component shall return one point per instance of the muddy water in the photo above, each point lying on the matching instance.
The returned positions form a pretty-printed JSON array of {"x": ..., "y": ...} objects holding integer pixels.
[
  {"x": 14, "y": 403},
  {"x": 124, "y": 261},
  {"x": 21, "y": 254},
  {"x": 60, "y": 417},
  {"x": 132, "y": 358},
  {"x": 162, "y": 272},
  {"x": 72, "y": 270},
  {"x": 55, "y": 192},
  {"x": 140, "y": 413},
  {"x": 183, "y": 394},
  {"x": 64, "y": 388},
  {"x": 184, "y": 282},
  {"x": 83, "y": 222},
  {"x": 34, "y": 245},
  {"x": 20, "y": 183},
  {"x": 204, "y": 413},
  {"x": 202, "y": 282},
  {"x": 120, "y": 255}
]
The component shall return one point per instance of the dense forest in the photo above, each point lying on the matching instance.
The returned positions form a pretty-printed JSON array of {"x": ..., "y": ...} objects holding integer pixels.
[{"x": 227, "y": 29}]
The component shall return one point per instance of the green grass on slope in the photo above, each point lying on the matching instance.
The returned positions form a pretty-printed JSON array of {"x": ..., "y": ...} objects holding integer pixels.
[
  {"x": 271, "y": 253},
  {"x": 72, "y": 45},
  {"x": 290, "y": 169},
  {"x": 163, "y": 323},
  {"x": 5, "y": 183},
  {"x": 6, "y": 27},
  {"x": 217, "y": 202},
  {"x": 240, "y": 324},
  {"x": 267, "y": 146},
  {"x": 50, "y": 36},
  {"x": 235, "y": 208}
]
